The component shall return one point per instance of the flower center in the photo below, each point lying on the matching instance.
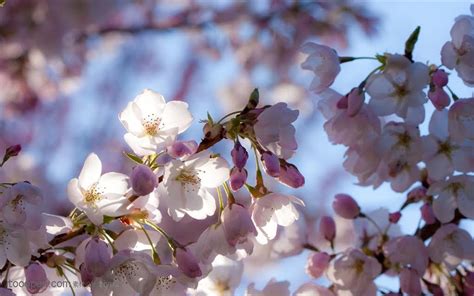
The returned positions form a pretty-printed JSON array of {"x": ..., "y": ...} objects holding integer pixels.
[
  {"x": 164, "y": 283},
  {"x": 446, "y": 148},
  {"x": 151, "y": 123},
  {"x": 404, "y": 140},
  {"x": 94, "y": 194},
  {"x": 189, "y": 179}
]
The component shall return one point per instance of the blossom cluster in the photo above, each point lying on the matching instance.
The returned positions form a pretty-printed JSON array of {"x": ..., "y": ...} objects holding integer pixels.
[
  {"x": 179, "y": 223},
  {"x": 380, "y": 122}
]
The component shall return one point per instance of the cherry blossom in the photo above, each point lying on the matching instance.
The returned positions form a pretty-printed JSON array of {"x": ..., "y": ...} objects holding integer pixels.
[
  {"x": 20, "y": 206},
  {"x": 272, "y": 210},
  {"x": 457, "y": 192},
  {"x": 96, "y": 194},
  {"x": 457, "y": 54},
  {"x": 460, "y": 123},
  {"x": 324, "y": 62},
  {"x": 274, "y": 130},
  {"x": 450, "y": 245},
  {"x": 152, "y": 123},
  {"x": 188, "y": 185},
  {"x": 354, "y": 271},
  {"x": 399, "y": 87},
  {"x": 272, "y": 288}
]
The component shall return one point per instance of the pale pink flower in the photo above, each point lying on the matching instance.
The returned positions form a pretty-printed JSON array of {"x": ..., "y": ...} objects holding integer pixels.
[
  {"x": 461, "y": 120},
  {"x": 188, "y": 184},
  {"x": 272, "y": 210},
  {"x": 238, "y": 225},
  {"x": 14, "y": 245},
  {"x": 274, "y": 130},
  {"x": 96, "y": 194},
  {"x": 353, "y": 101},
  {"x": 317, "y": 264},
  {"x": 152, "y": 123},
  {"x": 354, "y": 271},
  {"x": 458, "y": 54},
  {"x": 20, "y": 206},
  {"x": 324, "y": 62},
  {"x": 457, "y": 192},
  {"x": 407, "y": 251},
  {"x": 440, "y": 153},
  {"x": 223, "y": 279},
  {"x": 399, "y": 87},
  {"x": 451, "y": 245},
  {"x": 369, "y": 235}
]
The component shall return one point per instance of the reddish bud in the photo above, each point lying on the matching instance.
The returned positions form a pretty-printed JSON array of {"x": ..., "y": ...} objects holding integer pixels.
[
  {"x": 427, "y": 214},
  {"x": 439, "y": 78},
  {"x": 239, "y": 155},
  {"x": 327, "y": 227},
  {"x": 187, "y": 263},
  {"x": 271, "y": 164},
  {"x": 237, "y": 178},
  {"x": 143, "y": 180},
  {"x": 290, "y": 176},
  {"x": 394, "y": 217}
]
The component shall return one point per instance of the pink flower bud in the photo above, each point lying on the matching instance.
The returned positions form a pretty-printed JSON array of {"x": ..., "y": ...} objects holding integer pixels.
[
  {"x": 345, "y": 206},
  {"x": 97, "y": 257},
  {"x": 271, "y": 164},
  {"x": 86, "y": 276},
  {"x": 289, "y": 175},
  {"x": 237, "y": 178},
  {"x": 143, "y": 180},
  {"x": 182, "y": 148},
  {"x": 327, "y": 227},
  {"x": 469, "y": 283},
  {"x": 187, "y": 263},
  {"x": 317, "y": 263},
  {"x": 427, "y": 214},
  {"x": 394, "y": 217},
  {"x": 238, "y": 224},
  {"x": 439, "y": 98},
  {"x": 355, "y": 100},
  {"x": 36, "y": 279},
  {"x": 239, "y": 155},
  {"x": 439, "y": 78},
  {"x": 410, "y": 281},
  {"x": 13, "y": 150},
  {"x": 417, "y": 194}
]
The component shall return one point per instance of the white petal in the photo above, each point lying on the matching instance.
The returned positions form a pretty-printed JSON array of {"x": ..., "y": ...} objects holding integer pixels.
[
  {"x": 73, "y": 191},
  {"x": 131, "y": 121},
  {"x": 90, "y": 172},
  {"x": 141, "y": 146},
  {"x": 150, "y": 103},
  {"x": 176, "y": 114},
  {"x": 214, "y": 172},
  {"x": 114, "y": 184}
]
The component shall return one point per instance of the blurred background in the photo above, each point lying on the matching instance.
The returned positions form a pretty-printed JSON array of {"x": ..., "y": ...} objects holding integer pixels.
[{"x": 67, "y": 68}]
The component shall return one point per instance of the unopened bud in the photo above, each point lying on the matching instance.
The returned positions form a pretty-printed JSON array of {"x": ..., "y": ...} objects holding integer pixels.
[
  {"x": 36, "y": 280},
  {"x": 345, "y": 206},
  {"x": 237, "y": 178},
  {"x": 327, "y": 227},
  {"x": 187, "y": 263},
  {"x": 143, "y": 180},
  {"x": 394, "y": 217},
  {"x": 289, "y": 175},
  {"x": 239, "y": 155},
  {"x": 271, "y": 164},
  {"x": 427, "y": 214},
  {"x": 439, "y": 78},
  {"x": 317, "y": 263}
]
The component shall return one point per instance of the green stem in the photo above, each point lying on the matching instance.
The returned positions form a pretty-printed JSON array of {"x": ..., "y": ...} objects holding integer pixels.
[
  {"x": 350, "y": 59},
  {"x": 171, "y": 242},
  {"x": 230, "y": 196},
  {"x": 153, "y": 250},
  {"x": 230, "y": 114},
  {"x": 453, "y": 95}
]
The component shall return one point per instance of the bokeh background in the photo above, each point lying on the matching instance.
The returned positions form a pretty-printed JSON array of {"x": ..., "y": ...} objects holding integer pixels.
[{"x": 67, "y": 68}]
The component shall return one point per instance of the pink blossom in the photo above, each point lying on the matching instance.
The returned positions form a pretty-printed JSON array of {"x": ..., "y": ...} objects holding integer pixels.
[
  {"x": 417, "y": 194},
  {"x": 327, "y": 227},
  {"x": 143, "y": 180},
  {"x": 460, "y": 122},
  {"x": 275, "y": 132},
  {"x": 414, "y": 254},
  {"x": 20, "y": 206},
  {"x": 238, "y": 224},
  {"x": 36, "y": 279},
  {"x": 345, "y": 206},
  {"x": 450, "y": 245},
  {"x": 187, "y": 263},
  {"x": 317, "y": 264},
  {"x": 324, "y": 62}
]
